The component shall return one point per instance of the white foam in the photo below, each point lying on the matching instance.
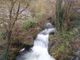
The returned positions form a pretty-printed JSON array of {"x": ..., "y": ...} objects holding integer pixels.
[{"x": 40, "y": 49}]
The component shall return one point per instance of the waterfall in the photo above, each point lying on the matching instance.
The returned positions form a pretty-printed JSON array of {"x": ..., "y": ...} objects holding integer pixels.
[{"x": 39, "y": 51}]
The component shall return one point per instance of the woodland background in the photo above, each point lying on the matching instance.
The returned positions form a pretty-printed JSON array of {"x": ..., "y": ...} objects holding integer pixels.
[{"x": 21, "y": 20}]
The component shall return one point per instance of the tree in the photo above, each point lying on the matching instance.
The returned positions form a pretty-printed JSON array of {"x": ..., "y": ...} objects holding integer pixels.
[{"x": 8, "y": 22}]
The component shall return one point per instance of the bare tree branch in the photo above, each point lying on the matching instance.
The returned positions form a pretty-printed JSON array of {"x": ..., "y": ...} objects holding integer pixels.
[
  {"x": 23, "y": 9},
  {"x": 11, "y": 9},
  {"x": 17, "y": 14}
]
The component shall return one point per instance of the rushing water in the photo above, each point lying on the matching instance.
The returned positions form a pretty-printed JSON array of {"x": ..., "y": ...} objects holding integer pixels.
[{"x": 39, "y": 51}]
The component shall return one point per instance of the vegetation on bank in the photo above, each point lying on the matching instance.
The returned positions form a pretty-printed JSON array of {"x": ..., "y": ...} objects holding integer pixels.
[{"x": 20, "y": 21}]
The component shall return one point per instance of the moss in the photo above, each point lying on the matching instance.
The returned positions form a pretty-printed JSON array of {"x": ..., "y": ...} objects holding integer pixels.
[{"x": 29, "y": 24}]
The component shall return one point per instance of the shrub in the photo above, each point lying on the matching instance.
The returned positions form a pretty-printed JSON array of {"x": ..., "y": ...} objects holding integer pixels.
[{"x": 28, "y": 24}]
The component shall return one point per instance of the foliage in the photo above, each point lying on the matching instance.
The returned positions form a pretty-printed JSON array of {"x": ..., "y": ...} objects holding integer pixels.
[
  {"x": 59, "y": 15},
  {"x": 66, "y": 18},
  {"x": 2, "y": 35},
  {"x": 65, "y": 14},
  {"x": 28, "y": 24},
  {"x": 62, "y": 48},
  {"x": 3, "y": 56}
]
